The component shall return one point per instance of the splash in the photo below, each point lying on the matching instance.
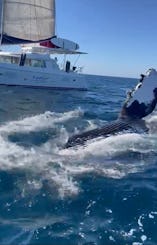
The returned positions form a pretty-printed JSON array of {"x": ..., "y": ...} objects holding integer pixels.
[
  {"x": 38, "y": 122},
  {"x": 60, "y": 167},
  {"x": 98, "y": 155},
  {"x": 39, "y": 161}
]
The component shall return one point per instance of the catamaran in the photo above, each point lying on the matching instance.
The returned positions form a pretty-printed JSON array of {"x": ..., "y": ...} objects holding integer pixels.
[{"x": 32, "y": 25}]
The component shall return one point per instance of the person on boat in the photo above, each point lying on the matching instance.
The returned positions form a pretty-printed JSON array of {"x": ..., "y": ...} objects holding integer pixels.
[{"x": 138, "y": 110}]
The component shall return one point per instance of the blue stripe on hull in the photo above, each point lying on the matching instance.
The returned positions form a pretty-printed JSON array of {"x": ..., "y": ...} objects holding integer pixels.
[{"x": 44, "y": 87}]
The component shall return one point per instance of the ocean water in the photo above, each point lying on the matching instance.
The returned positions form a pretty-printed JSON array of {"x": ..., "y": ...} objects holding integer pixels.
[{"x": 102, "y": 193}]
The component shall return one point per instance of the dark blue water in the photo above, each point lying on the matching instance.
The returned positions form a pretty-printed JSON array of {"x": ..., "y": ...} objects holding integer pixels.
[{"x": 101, "y": 193}]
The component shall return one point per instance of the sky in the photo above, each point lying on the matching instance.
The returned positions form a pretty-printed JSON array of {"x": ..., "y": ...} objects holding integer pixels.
[{"x": 120, "y": 36}]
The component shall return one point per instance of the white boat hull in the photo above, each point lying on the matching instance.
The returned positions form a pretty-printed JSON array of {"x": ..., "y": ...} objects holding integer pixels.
[{"x": 24, "y": 76}]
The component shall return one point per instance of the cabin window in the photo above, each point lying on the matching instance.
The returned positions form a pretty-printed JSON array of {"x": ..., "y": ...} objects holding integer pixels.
[
  {"x": 35, "y": 63},
  {"x": 28, "y": 62},
  {"x": 15, "y": 60},
  {"x": 9, "y": 59}
]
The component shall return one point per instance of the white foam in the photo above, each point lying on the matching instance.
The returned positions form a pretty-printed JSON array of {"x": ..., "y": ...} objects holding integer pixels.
[
  {"x": 96, "y": 156},
  {"x": 37, "y": 159},
  {"x": 40, "y": 161},
  {"x": 130, "y": 233},
  {"x": 152, "y": 124},
  {"x": 137, "y": 243},
  {"x": 38, "y": 122},
  {"x": 111, "y": 146},
  {"x": 60, "y": 166},
  {"x": 140, "y": 222},
  {"x": 143, "y": 238}
]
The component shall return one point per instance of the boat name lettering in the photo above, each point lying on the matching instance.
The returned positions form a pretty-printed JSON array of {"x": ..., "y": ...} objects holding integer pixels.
[{"x": 39, "y": 78}]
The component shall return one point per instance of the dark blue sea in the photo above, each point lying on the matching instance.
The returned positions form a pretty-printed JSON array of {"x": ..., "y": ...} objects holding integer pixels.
[{"x": 102, "y": 193}]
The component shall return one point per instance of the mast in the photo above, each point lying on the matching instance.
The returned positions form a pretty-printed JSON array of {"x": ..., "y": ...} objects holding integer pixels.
[{"x": 2, "y": 15}]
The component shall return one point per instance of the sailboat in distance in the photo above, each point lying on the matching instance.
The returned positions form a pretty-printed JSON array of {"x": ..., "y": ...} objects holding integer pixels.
[
  {"x": 32, "y": 24},
  {"x": 26, "y": 21}
]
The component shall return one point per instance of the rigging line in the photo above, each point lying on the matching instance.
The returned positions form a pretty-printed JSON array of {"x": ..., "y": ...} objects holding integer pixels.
[{"x": 76, "y": 59}]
